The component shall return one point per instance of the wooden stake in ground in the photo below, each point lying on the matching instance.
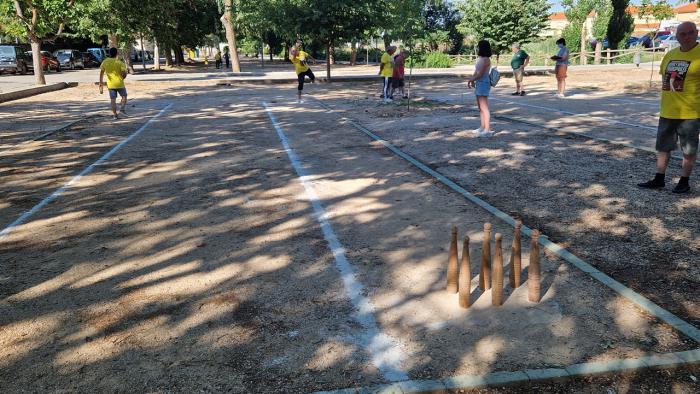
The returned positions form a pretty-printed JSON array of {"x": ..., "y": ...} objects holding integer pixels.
[
  {"x": 485, "y": 273},
  {"x": 465, "y": 276},
  {"x": 497, "y": 290},
  {"x": 515, "y": 264},
  {"x": 452, "y": 274},
  {"x": 533, "y": 275}
]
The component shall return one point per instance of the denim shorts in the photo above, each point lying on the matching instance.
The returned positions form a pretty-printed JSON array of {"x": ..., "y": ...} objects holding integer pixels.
[
  {"x": 482, "y": 88},
  {"x": 671, "y": 132},
  {"x": 113, "y": 93}
]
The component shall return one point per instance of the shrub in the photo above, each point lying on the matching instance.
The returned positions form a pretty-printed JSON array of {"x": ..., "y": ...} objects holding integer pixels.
[{"x": 437, "y": 60}]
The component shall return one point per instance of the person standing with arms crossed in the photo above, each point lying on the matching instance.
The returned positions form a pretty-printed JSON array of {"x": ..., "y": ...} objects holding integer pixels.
[
  {"x": 562, "y": 59},
  {"x": 679, "y": 119},
  {"x": 397, "y": 76},
  {"x": 115, "y": 70},
  {"x": 519, "y": 61}
]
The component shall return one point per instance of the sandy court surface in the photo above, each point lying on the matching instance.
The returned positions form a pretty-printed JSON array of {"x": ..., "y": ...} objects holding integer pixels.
[{"x": 194, "y": 256}]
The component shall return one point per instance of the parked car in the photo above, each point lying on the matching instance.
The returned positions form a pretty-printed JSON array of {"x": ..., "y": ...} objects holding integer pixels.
[
  {"x": 70, "y": 58},
  {"x": 98, "y": 53},
  {"x": 13, "y": 59},
  {"x": 90, "y": 61},
  {"x": 48, "y": 62}
]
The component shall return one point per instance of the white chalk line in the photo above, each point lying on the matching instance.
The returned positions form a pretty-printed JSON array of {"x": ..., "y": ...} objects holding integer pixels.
[
  {"x": 384, "y": 350},
  {"x": 641, "y": 301},
  {"x": 26, "y": 215}
]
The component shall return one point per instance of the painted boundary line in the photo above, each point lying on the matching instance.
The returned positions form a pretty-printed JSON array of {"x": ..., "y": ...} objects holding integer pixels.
[
  {"x": 642, "y": 302},
  {"x": 26, "y": 215},
  {"x": 674, "y": 155},
  {"x": 384, "y": 350},
  {"x": 667, "y": 360}
]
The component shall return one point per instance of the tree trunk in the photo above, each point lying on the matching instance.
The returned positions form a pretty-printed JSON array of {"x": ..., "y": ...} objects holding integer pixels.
[
  {"x": 227, "y": 20},
  {"x": 286, "y": 52},
  {"x": 584, "y": 58},
  {"x": 329, "y": 45},
  {"x": 598, "y": 51},
  {"x": 168, "y": 57},
  {"x": 127, "y": 59},
  {"x": 353, "y": 53},
  {"x": 179, "y": 55},
  {"x": 113, "y": 40},
  {"x": 143, "y": 54},
  {"x": 36, "y": 61},
  {"x": 156, "y": 55},
  {"x": 331, "y": 54}
]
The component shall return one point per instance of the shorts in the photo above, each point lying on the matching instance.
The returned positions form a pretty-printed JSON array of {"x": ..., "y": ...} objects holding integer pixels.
[
  {"x": 518, "y": 75},
  {"x": 302, "y": 75},
  {"x": 482, "y": 88},
  {"x": 671, "y": 132},
  {"x": 560, "y": 70},
  {"x": 396, "y": 83},
  {"x": 113, "y": 93}
]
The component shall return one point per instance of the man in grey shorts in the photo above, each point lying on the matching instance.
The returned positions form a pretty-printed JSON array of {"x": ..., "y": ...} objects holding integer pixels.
[{"x": 680, "y": 108}]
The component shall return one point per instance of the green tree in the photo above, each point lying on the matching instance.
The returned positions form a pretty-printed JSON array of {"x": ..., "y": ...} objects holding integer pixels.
[
  {"x": 577, "y": 12},
  {"x": 659, "y": 11},
  {"x": 38, "y": 21},
  {"x": 600, "y": 26},
  {"x": 503, "y": 22},
  {"x": 621, "y": 23},
  {"x": 333, "y": 21}
]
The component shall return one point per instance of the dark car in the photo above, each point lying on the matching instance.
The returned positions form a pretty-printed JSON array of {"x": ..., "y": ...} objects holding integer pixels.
[
  {"x": 48, "y": 62},
  {"x": 70, "y": 58},
  {"x": 14, "y": 59},
  {"x": 89, "y": 60}
]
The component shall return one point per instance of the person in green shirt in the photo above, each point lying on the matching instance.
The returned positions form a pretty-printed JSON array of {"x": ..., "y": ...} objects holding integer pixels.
[{"x": 519, "y": 61}]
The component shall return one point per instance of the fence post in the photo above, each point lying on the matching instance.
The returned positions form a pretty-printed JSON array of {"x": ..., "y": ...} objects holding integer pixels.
[{"x": 607, "y": 55}]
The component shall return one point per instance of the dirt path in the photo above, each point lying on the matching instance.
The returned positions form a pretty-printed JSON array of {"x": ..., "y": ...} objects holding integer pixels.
[{"x": 195, "y": 257}]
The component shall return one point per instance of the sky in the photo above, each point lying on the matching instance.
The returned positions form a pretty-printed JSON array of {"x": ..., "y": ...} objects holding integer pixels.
[{"x": 556, "y": 5}]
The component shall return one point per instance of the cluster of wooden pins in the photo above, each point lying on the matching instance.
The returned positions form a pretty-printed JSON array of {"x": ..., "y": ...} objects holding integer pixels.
[{"x": 491, "y": 270}]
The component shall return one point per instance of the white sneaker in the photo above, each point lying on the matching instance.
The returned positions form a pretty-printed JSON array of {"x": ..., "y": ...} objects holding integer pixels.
[
  {"x": 477, "y": 131},
  {"x": 301, "y": 101},
  {"x": 560, "y": 95},
  {"x": 486, "y": 133}
]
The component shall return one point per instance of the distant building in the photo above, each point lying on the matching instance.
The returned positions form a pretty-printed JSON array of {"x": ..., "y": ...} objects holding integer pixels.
[{"x": 688, "y": 12}]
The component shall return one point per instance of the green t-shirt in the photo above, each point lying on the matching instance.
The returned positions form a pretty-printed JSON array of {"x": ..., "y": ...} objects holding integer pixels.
[{"x": 518, "y": 59}]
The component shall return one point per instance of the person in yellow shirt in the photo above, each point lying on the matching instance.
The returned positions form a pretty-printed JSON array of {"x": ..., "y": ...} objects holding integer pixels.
[
  {"x": 116, "y": 73},
  {"x": 679, "y": 118},
  {"x": 300, "y": 61},
  {"x": 386, "y": 70}
]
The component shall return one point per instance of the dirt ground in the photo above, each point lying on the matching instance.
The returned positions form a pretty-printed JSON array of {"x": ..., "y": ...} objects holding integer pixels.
[{"x": 192, "y": 260}]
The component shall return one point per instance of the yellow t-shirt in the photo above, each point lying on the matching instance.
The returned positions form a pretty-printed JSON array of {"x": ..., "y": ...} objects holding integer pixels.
[
  {"x": 680, "y": 91},
  {"x": 299, "y": 62},
  {"x": 388, "y": 70},
  {"x": 113, "y": 68}
]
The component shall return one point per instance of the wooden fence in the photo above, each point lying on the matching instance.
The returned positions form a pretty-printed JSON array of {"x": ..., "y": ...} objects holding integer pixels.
[{"x": 607, "y": 56}]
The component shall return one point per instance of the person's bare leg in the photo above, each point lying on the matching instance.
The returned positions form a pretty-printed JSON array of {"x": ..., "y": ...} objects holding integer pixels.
[
  {"x": 563, "y": 86},
  {"x": 688, "y": 162},
  {"x": 123, "y": 105},
  {"x": 485, "y": 113},
  {"x": 481, "y": 113},
  {"x": 662, "y": 162},
  {"x": 113, "y": 103}
]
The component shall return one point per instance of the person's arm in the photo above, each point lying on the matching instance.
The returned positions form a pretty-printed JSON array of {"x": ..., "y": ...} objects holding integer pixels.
[
  {"x": 124, "y": 73},
  {"x": 527, "y": 61},
  {"x": 102, "y": 74},
  {"x": 480, "y": 70}
]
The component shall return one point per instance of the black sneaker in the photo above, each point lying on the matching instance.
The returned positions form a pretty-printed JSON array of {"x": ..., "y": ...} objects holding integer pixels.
[
  {"x": 515, "y": 94},
  {"x": 652, "y": 184},
  {"x": 522, "y": 93},
  {"x": 681, "y": 188}
]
